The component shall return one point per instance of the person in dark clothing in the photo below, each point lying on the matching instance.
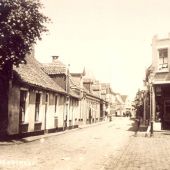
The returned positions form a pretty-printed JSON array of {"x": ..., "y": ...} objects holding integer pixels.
[{"x": 139, "y": 115}]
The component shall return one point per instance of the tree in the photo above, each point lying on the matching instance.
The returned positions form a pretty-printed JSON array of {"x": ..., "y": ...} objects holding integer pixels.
[{"x": 21, "y": 24}]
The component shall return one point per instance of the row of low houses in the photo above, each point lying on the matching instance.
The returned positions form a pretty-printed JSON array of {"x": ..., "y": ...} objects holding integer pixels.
[
  {"x": 48, "y": 98},
  {"x": 156, "y": 91}
]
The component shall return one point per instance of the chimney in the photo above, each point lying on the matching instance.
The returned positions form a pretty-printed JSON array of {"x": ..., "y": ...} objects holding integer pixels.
[{"x": 55, "y": 58}]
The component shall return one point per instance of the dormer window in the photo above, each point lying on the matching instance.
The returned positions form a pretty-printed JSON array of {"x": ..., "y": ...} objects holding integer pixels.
[{"x": 163, "y": 59}]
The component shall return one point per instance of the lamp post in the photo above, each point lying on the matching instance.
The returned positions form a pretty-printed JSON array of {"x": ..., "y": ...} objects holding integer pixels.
[
  {"x": 151, "y": 109},
  {"x": 144, "y": 96}
]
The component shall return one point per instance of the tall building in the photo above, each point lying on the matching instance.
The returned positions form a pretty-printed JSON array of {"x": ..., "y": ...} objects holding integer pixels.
[{"x": 158, "y": 82}]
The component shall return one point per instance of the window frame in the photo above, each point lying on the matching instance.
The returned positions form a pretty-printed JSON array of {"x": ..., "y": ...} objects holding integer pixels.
[
  {"x": 23, "y": 104},
  {"x": 162, "y": 65},
  {"x": 37, "y": 106}
]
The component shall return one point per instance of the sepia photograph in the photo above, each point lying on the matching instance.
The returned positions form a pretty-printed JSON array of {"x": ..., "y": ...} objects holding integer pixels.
[{"x": 84, "y": 84}]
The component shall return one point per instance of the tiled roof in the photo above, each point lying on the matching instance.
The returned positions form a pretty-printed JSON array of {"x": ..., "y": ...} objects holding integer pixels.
[
  {"x": 74, "y": 94},
  {"x": 56, "y": 67},
  {"x": 91, "y": 93},
  {"x": 87, "y": 80},
  {"x": 75, "y": 82},
  {"x": 32, "y": 74},
  {"x": 96, "y": 86}
]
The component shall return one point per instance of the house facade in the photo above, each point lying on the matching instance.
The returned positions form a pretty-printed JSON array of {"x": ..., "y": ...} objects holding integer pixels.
[
  {"x": 43, "y": 98},
  {"x": 110, "y": 98},
  {"x": 36, "y": 102},
  {"x": 59, "y": 73},
  {"x": 158, "y": 82},
  {"x": 120, "y": 110},
  {"x": 91, "y": 104}
]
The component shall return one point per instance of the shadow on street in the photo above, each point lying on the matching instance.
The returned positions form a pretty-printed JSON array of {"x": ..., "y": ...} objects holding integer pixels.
[{"x": 134, "y": 127}]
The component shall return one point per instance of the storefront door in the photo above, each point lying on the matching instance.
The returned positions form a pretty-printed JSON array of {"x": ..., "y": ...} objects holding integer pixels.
[{"x": 166, "y": 115}]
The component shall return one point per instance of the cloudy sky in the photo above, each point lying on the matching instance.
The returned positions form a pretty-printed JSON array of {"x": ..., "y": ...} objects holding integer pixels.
[{"x": 111, "y": 38}]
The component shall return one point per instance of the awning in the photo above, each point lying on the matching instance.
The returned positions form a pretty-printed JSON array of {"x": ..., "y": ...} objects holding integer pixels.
[{"x": 161, "y": 78}]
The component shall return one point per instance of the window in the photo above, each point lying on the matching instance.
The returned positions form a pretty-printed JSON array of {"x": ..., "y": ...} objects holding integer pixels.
[
  {"x": 23, "y": 96},
  {"x": 46, "y": 98},
  {"x": 55, "y": 104},
  {"x": 37, "y": 106},
  {"x": 163, "y": 58}
]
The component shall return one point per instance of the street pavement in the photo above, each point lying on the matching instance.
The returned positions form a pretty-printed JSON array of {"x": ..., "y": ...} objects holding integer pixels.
[
  {"x": 144, "y": 153},
  {"x": 89, "y": 148},
  {"x": 104, "y": 146}
]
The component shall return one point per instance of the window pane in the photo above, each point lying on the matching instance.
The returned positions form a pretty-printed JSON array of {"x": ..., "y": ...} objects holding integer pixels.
[
  {"x": 37, "y": 106},
  {"x": 165, "y": 60},
  {"x": 163, "y": 53},
  {"x": 23, "y": 95}
]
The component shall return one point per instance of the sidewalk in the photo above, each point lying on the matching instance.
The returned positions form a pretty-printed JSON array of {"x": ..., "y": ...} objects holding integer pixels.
[
  {"x": 144, "y": 153},
  {"x": 47, "y": 135}
]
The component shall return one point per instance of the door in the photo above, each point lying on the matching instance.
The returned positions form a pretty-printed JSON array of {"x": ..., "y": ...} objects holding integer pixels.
[
  {"x": 3, "y": 105},
  {"x": 166, "y": 115}
]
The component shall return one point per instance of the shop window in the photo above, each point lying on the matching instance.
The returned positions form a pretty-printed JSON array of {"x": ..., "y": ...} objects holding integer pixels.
[
  {"x": 37, "y": 106},
  {"x": 163, "y": 59}
]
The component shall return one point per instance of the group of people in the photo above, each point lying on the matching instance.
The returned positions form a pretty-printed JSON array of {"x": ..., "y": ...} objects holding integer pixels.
[{"x": 127, "y": 114}]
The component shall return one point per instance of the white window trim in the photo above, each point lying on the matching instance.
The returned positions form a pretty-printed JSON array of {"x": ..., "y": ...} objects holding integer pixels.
[
  {"x": 163, "y": 70},
  {"x": 26, "y": 103}
]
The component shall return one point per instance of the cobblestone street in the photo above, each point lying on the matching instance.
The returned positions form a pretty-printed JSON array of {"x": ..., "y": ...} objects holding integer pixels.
[
  {"x": 86, "y": 149},
  {"x": 107, "y": 146},
  {"x": 145, "y": 153}
]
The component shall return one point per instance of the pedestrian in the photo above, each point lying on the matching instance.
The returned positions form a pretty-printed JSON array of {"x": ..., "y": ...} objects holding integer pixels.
[{"x": 139, "y": 116}]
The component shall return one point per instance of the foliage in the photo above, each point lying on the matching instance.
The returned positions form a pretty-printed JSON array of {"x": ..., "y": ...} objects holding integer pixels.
[
  {"x": 139, "y": 98},
  {"x": 21, "y": 24}
]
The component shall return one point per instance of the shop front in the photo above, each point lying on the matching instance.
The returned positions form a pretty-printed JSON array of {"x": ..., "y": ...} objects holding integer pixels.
[{"x": 162, "y": 108}]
